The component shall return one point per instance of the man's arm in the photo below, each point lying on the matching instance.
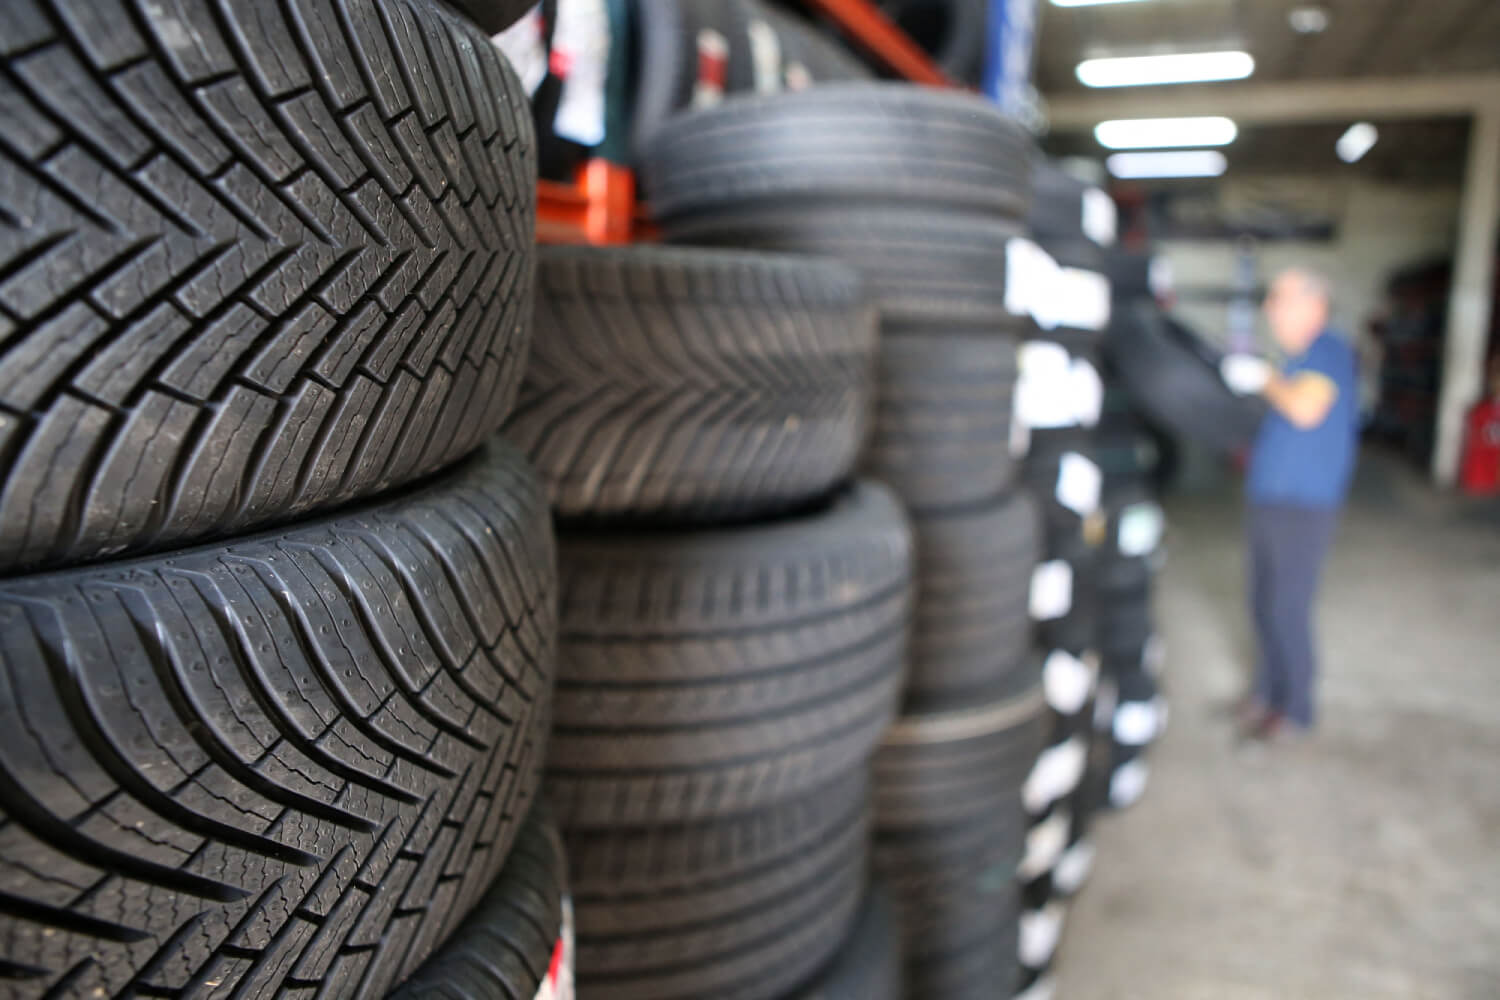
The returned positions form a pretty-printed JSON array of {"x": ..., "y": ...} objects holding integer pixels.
[{"x": 1305, "y": 398}]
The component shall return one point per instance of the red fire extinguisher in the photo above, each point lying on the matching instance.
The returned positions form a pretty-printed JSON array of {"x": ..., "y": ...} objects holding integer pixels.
[{"x": 1480, "y": 472}]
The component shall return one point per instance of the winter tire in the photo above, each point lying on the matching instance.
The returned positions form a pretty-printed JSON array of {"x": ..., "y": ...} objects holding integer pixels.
[
  {"x": 746, "y": 907},
  {"x": 855, "y": 142},
  {"x": 943, "y": 429},
  {"x": 709, "y": 672},
  {"x": 971, "y": 632},
  {"x": 950, "y": 829},
  {"x": 516, "y": 938},
  {"x": 694, "y": 384},
  {"x": 1174, "y": 381},
  {"x": 291, "y": 760},
  {"x": 262, "y": 259},
  {"x": 868, "y": 965}
]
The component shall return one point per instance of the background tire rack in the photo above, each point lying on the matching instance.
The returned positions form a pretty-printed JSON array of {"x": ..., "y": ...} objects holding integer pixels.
[{"x": 310, "y": 684}]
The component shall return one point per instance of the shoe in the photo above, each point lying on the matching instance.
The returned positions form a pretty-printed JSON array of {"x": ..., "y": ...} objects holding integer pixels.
[
  {"x": 1246, "y": 712},
  {"x": 1276, "y": 729}
]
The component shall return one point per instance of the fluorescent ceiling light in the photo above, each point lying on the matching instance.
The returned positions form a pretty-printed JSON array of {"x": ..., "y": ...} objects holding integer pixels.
[
  {"x": 1356, "y": 141},
  {"x": 1088, "y": 3},
  {"x": 1182, "y": 67},
  {"x": 1162, "y": 133},
  {"x": 1177, "y": 163}
]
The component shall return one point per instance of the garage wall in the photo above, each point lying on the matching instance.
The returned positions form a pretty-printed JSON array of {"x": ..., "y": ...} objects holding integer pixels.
[{"x": 1382, "y": 227}]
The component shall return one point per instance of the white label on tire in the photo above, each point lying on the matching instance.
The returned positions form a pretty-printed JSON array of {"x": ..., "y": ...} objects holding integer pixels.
[
  {"x": 1045, "y": 843},
  {"x": 1031, "y": 282},
  {"x": 1041, "y": 360},
  {"x": 1072, "y": 869},
  {"x": 1054, "y": 390},
  {"x": 1057, "y": 771},
  {"x": 1066, "y": 681},
  {"x": 1128, "y": 783},
  {"x": 1078, "y": 484},
  {"x": 526, "y": 49},
  {"x": 1086, "y": 390},
  {"x": 582, "y": 39},
  {"x": 1100, "y": 220},
  {"x": 1140, "y": 531},
  {"x": 1040, "y": 932},
  {"x": 765, "y": 56},
  {"x": 1081, "y": 300},
  {"x": 1051, "y": 590},
  {"x": 1136, "y": 723},
  {"x": 557, "y": 984}
]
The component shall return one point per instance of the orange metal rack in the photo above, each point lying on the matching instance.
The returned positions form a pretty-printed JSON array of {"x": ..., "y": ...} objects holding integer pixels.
[{"x": 599, "y": 206}]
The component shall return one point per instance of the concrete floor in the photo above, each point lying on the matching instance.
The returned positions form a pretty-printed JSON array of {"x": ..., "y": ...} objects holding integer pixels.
[{"x": 1363, "y": 865}]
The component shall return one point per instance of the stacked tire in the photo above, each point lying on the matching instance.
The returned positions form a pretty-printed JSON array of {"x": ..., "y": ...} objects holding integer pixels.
[
  {"x": 1131, "y": 712},
  {"x": 921, "y": 192},
  {"x": 1059, "y": 399},
  {"x": 278, "y": 615},
  {"x": 734, "y": 614}
]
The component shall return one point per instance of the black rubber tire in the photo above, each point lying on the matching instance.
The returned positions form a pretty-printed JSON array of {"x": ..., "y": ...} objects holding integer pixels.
[
  {"x": 292, "y": 759},
  {"x": 952, "y": 32},
  {"x": 971, "y": 634},
  {"x": 493, "y": 16},
  {"x": 875, "y": 142},
  {"x": 665, "y": 59},
  {"x": 1174, "y": 385},
  {"x": 984, "y": 971},
  {"x": 868, "y": 964},
  {"x": 251, "y": 270},
  {"x": 943, "y": 417},
  {"x": 695, "y": 385},
  {"x": 920, "y": 265},
  {"x": 1129, "y": 274},
  {"x": 749, "y": 907},
  {"x": 1124, "y": 623},
  {"x": 711, "y": 672},
  {"x": 938, "y": 770},
  {"x": 950, "y": 827},
  {"x": 504, "y": 948}
]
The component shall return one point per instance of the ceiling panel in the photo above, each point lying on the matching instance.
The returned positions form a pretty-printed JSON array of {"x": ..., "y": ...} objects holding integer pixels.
[{"x": 1363, "y": 38}]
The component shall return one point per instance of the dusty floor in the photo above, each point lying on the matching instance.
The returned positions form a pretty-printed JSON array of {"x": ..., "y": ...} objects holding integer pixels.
[{"x": 1364, "y": 865}]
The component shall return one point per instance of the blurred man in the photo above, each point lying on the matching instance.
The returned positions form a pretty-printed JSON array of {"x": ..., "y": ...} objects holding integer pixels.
[{"x": 1299, "y": 475}]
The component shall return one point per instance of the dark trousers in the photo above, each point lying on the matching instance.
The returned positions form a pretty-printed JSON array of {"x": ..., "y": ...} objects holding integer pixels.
[{"x": 1288, "y": 546}]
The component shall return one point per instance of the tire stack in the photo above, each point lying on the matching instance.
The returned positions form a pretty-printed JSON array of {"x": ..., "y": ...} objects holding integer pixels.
[
  {"x": 278, "y": 616},
  {"x": 922, "y": 192},
  {"x": 694, "y": 53},
  {"x": 1131, "y": 711},
  {"x": 734, "y": 615},
  {"x": 1059, "y": 398}
]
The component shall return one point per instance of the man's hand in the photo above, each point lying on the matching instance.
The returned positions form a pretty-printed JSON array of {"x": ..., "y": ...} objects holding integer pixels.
[{"x": 1245, "y": 374}]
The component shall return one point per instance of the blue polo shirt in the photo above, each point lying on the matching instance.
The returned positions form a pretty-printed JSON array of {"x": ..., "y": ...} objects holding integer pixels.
[{"x": 1310, "y": 468}]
